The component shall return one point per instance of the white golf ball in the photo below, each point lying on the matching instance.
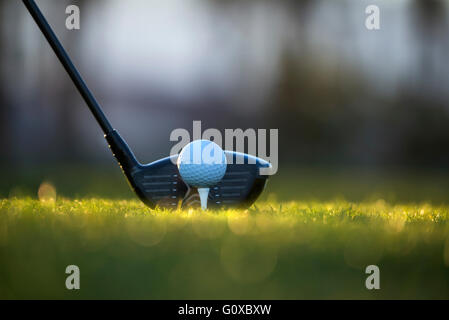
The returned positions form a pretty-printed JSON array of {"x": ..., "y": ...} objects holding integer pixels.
[{"x": 202, "y": 164}]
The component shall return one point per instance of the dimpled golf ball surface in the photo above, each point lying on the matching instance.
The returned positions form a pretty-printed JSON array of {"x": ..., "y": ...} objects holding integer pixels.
[{"x": 202, "y": 164}]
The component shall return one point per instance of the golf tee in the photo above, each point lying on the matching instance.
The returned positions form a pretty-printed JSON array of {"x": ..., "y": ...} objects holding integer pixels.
[{"x": 204, "y": 193}]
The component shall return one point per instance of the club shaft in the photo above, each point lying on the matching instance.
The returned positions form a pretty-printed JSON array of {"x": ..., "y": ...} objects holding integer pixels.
[{"x": 68, "y": 65}]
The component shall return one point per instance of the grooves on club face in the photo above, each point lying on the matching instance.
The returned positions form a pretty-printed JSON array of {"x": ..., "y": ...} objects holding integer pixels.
[{"x": 159, "y": 183}]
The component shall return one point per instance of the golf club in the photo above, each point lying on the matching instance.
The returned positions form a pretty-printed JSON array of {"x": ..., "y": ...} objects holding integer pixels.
[{"x": 159, "y": 183}]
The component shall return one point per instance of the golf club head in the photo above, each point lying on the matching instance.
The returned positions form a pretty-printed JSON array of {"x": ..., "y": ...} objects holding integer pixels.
[
  {"x": 160, "y": 184},
  {"x": 240, "y": 187}
]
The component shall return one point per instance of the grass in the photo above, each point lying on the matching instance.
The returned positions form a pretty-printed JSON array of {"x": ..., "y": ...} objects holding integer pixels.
[
  {"x": 310, "y": 236},
  {"x": 277, "y": 249}
]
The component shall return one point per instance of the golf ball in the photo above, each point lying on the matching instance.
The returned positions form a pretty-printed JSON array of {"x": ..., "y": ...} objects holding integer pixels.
[{"x": 202, "y": 164}]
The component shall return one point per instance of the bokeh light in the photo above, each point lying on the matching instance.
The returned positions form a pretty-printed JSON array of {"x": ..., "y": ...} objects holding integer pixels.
[{"x": 46, "y": 192}]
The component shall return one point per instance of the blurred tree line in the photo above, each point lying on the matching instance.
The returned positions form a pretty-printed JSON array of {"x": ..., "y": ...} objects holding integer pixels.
[{"x": 327, "y": 111}]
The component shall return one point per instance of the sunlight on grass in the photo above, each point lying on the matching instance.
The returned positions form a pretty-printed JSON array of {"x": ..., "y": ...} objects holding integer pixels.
[{"x": 294, "y": 249}]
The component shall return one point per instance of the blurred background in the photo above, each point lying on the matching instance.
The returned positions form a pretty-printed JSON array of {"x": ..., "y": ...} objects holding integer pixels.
[{"x": 350, "y": 104}]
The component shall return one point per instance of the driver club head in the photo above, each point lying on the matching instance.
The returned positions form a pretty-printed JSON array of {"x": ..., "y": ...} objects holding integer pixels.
[{"x": 160, "y": 184}]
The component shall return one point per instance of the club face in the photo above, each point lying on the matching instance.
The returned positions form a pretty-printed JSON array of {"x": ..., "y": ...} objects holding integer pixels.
[{"x": 159, "y": 183}]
